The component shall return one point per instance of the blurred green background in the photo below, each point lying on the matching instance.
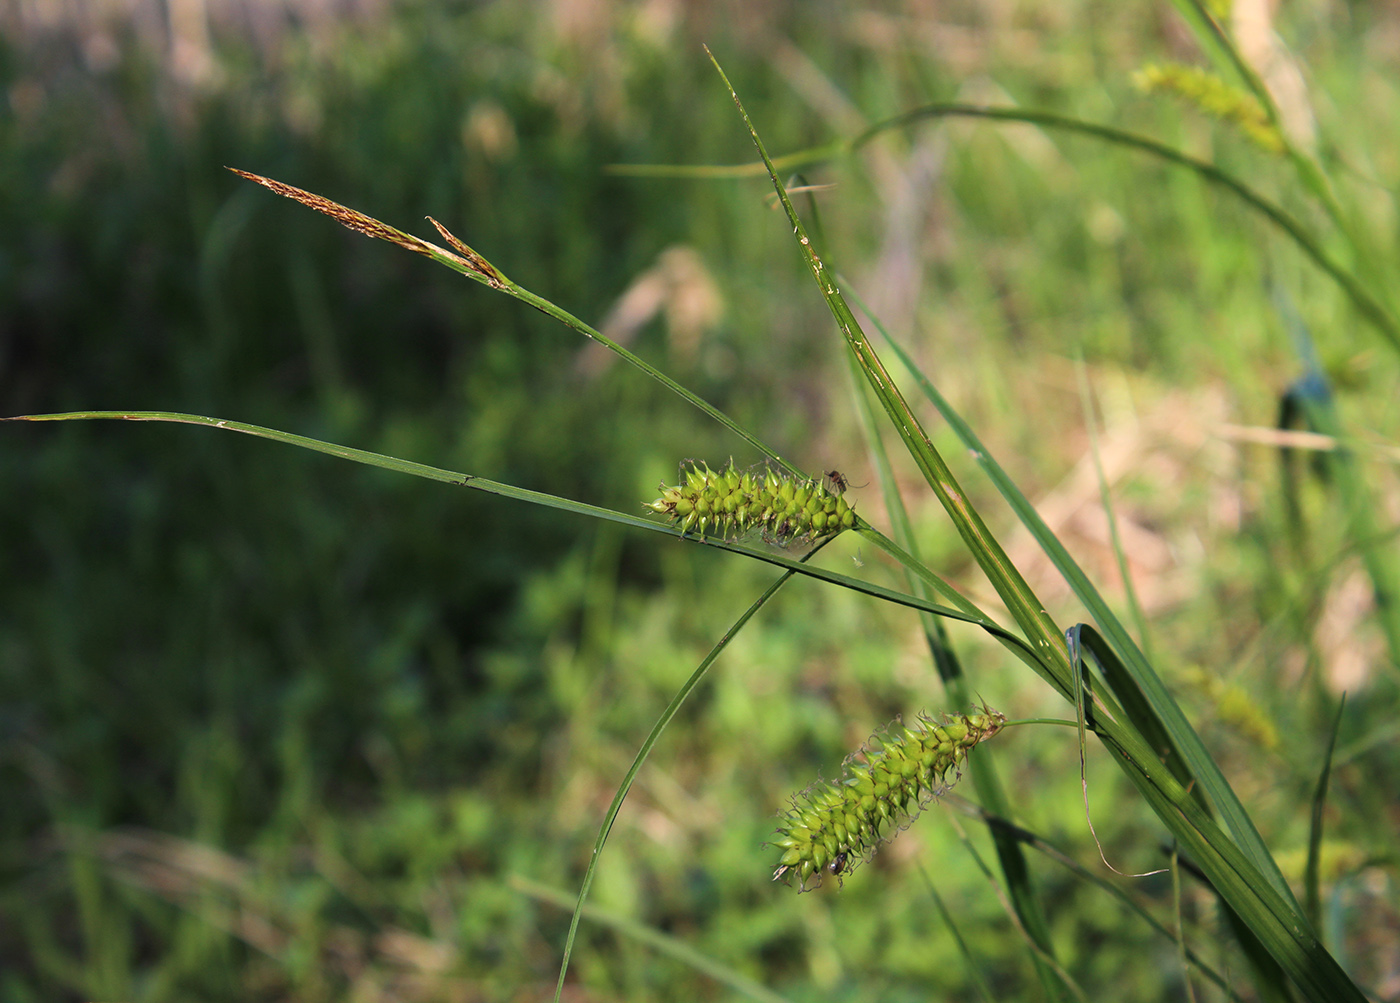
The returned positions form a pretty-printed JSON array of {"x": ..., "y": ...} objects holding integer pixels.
[{"x": 277, "y": 727}]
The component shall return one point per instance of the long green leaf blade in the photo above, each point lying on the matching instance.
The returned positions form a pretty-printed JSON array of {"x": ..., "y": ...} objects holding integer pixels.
[
  {"x": 1365, "y": 302},
  {"x": 1275, "y": 917},
  {"x": 967, "y": 615},
  {"x": 1039, "y": 629},
  {"x": 985, "y": 777},
  {"x": 672, "y": 708},
  {"x": 1156, "y": 701},
  {"x": 468, "y": 262},
  {"x": 655, "y": 939}
]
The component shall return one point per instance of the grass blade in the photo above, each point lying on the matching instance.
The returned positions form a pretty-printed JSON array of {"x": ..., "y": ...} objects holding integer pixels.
[
  {"x": 665, "y": 719},
  {"x": 974, "y": 972},
  {"x": 1272, "y": 913},
  {"x": 985, "y": 778},
  {"x": 471, "y": 264},
  {"x": 1027, "y": 837},
  {"x": 1005, "y": 578},
  {"x": 1157, "y": 702},
  {"x": 660, "y": 942},
  {"x": 970, "y": 614},
  {"x": 1366, "y": 304},
  {"x": 1310, "y": 875}
]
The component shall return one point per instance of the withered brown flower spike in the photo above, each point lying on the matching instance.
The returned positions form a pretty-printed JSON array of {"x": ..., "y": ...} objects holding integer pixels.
[{"x": 372, "y": 227}]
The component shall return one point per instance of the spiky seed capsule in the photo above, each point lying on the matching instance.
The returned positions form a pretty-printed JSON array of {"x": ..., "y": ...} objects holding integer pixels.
[
  {"x": 728, "y": 504},
  {"x": 884, "y": 785}
]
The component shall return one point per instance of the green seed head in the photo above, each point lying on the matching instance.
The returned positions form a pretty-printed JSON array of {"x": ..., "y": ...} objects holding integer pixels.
[
  {"x": 888, "y": 781},
  {"x": 729, "y": 504}
]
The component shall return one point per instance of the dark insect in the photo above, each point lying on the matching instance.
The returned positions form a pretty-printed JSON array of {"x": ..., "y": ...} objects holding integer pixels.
[
  {"x": 838, "y": 864},
  {"x": 838, "y": 481}
]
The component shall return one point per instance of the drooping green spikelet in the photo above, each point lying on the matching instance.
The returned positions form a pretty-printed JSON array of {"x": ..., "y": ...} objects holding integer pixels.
[
  {"x": 1214, "y": 97},
  {"x": 832, "y": 828},
  {"x": 728, "y": 504}
]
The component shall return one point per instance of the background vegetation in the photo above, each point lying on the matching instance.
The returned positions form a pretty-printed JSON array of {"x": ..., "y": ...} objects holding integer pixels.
[{"x": 278, "y": 727}]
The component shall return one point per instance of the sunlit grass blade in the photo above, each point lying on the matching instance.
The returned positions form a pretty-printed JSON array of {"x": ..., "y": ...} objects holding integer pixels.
[
  {"x": 974, "y": 971},
  {"x": 1274, "y": 915},
  {"x": 655, "y": 939},
  {"x": 1028, "y": 612},
  {"x": 1026, "y": 837},
  {"x": 1365, "y": 302},
  {"x": 1361, "y": 298},
  {"x": 1156, "y": 703},
  {"x": 679, "y": 698},
  {"x": 985, "y": 777}
]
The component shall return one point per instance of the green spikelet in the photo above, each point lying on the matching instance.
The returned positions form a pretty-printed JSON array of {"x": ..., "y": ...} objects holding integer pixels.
[
  {"x": 832, "y": 828},
  {"x": 728, "y": 504},
  {"x": 1215, "y": 98},
  {"x": 1235, "y": 706}
]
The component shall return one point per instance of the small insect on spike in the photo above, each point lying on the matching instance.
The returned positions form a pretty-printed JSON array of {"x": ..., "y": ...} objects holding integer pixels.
[{"x": 837, "y": 482}]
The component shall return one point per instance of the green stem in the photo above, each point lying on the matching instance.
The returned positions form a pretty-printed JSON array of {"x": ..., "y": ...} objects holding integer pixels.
[{"x": 1366, "y": 304}]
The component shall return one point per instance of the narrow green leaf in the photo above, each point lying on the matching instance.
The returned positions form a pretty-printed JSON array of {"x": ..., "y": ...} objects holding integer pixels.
[
  {"x": 681, "y": 694},
  {"x": 985, "y": 777},
  {"x": 1361, "y": 298},
  {"x": 974, "y": 971},
  {"x": 471, "y": 264},
  {"x": 1276, "y": 922},
  {"x": 1367, "y": 304},
  {"x": 1013, "y": 643},
  {"x": 1027, "y": 837},
  {"x": 1037, "y": 625},
  {"x": 660, "y": 942},
  {"x": 1155, "y": 700},
  {"x": 1082, "y": 637}
]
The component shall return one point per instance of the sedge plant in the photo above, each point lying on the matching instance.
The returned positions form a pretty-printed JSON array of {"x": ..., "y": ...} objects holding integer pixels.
[{"x": 783, "y": 516}]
